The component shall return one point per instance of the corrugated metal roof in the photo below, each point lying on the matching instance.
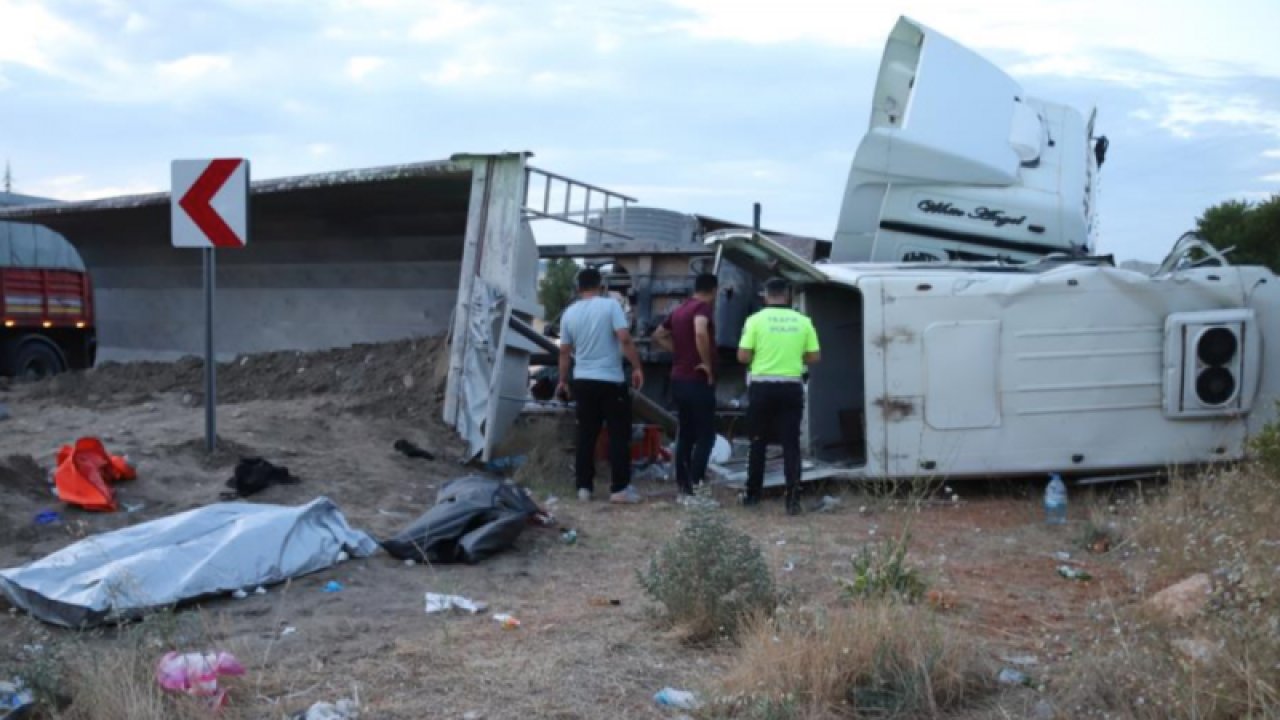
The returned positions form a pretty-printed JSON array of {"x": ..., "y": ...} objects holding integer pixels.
[{"x": 361, "y": 176}]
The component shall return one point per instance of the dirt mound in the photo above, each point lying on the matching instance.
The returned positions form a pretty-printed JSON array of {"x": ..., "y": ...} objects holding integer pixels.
[
  {"x": 21, "y": 475},
  {"x": 397, "y": 379},
  {"x": 225, "y": 454}
]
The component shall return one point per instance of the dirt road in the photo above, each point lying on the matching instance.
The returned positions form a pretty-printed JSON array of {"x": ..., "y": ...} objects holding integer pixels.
[{"x": 332, "y": 419}]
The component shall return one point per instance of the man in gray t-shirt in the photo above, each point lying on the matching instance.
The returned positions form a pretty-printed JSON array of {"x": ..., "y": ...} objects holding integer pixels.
[{"x": 594, "y": 334}]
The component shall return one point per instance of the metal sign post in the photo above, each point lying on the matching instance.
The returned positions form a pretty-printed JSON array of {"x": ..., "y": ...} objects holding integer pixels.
[
  {"x": 210, "y": 362},
  {"x": 210, "y": 209}
]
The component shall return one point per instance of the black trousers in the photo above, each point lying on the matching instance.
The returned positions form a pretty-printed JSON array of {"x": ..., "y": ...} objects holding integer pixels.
[
  {"x": 774, "y": 415},
  {"x": 603, "y": 404},
  {"x": 696, "y": 409}
]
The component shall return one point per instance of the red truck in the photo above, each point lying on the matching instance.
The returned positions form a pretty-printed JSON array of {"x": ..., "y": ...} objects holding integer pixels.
[{"x": 47, "y": 318}]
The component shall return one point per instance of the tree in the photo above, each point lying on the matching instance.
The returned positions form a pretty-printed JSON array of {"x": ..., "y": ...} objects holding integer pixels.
[
  {"x": 555, "y": 290},
  {"x": 1252, "y": 229}
]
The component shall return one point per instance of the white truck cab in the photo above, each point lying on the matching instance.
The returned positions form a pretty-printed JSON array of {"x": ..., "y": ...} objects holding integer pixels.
[{"x": 960, "y": 164}]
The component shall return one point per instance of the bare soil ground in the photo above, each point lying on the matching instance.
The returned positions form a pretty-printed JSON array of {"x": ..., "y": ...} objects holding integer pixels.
[{"x": 332, "y": 419}]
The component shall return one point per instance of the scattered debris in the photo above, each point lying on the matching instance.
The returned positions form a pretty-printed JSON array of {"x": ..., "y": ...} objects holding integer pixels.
[
  {"x": 510, "y": 463},
  {"x": 197, "y": 674},
  {"x": 671, "y": 697},
  {"x": 48, "y": 517},
  {"x": 1009, "y": 676},
  {"x": 827, "y": 504},
  {"x": 344, "y": 709},
  {"x": 602, "y": 601},
  {"x": 133, "y": 507},
  {"x": 789, "y": 565},
  {"x": 569, "y": 536},
  {"x": 288, "y": 630},
  {"x": 508, "y": 622},
  {"x": 15, "y": 699},
  {"x": 1062, "y": 555},
  {"x": 408, "y": 449},
  {"x": 85, "y": 472},
  {"x": 440, "y": 603},
  {"x": 1072, "y": 573},
  {"x": 1021, "y": 660},
  {"x": 240, "y": 594},
  {"x": 343, "y": 556},
  {"x": 940, "y": 599},
  {"x": 1183, "y": 599},
  {"x": 333, "y": 586},
  {"x": 652, "y": 473},
  {"x": 253, "y": 475},
  {"x": 721, "y": 451},
  {"x": 474, "y": 517},
  {"x": 260, "y": 590}
]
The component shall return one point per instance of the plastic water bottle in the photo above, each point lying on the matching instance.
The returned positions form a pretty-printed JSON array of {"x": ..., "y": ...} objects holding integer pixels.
[
  {"x": 1055, "y": 501},
  {"x": 671, "y": 697}
]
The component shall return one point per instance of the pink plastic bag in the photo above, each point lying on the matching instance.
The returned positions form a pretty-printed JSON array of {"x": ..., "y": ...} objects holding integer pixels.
[{"x": 197, "y": 674}]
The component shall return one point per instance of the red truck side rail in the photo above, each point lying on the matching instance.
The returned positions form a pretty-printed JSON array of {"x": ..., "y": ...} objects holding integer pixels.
[
  {"x": 45, "y": 298},
  {"x": 46, "y": 322}
]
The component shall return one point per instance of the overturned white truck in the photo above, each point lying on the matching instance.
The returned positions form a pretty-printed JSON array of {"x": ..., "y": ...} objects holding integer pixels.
[
  {"x": 1058, "y": 365},
  {"x": 967, "y": 330}
]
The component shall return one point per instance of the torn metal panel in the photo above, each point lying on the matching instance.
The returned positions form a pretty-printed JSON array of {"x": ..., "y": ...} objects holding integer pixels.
[
  {"x": 489, "y": 363},
  {"x": 488, "y": 383}
]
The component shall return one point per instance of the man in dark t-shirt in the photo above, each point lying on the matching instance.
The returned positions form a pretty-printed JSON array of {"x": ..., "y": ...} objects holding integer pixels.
[{"x": 689, "y": 332}]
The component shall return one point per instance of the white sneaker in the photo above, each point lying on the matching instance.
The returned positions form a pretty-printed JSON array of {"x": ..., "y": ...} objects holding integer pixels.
[
  {"x": 625, "y": 496},
  {"x": 584, "y": 495}
]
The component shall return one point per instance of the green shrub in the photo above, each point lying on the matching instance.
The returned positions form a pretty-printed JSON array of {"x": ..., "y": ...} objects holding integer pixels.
[
  {"x": 709, "y": 576},
  {"x": 882, "y": 571}
]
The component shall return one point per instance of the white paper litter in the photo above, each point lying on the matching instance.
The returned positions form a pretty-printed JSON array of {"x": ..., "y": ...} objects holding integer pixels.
[{"x": 440, "y": 603}]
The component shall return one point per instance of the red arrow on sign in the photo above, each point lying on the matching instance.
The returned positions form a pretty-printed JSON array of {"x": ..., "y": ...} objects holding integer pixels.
[{"x": 196, "y": 203}]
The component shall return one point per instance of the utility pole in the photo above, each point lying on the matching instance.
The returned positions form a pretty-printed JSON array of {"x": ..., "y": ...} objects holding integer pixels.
[{"x": 8, "y": 177}]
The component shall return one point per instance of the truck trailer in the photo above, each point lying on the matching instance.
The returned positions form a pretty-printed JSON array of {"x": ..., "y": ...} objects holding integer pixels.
[{"x": 46, "y": 301}]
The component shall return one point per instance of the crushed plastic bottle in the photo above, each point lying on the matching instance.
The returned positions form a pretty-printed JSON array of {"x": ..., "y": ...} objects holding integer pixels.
[
  {"x": 671, "y": 697},
  {"x": 1072, "y": 573},
  {"x": 1055, "y": 501},
  {"x": 1009, "y": 676}
]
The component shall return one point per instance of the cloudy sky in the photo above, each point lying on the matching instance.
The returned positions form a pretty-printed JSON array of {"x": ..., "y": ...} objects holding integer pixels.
[{"x": 697, "y": 105}]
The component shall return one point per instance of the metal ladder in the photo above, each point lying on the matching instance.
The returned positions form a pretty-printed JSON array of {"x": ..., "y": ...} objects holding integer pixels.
[{"x": 572, "y": 212}]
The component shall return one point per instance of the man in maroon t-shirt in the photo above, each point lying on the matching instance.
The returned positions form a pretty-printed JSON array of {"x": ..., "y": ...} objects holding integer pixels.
[{"x": 689, "y": 332}]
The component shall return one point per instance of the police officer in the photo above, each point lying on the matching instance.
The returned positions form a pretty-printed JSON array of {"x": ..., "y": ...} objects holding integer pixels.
[{"x": 777, "y": 343}]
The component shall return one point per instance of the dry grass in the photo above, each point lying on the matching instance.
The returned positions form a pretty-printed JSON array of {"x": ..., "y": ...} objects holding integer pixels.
[
  {"x": 1225, "y": 661},
  {"x": 76, "y": 678},
  {"x": 877, "y": 658}
]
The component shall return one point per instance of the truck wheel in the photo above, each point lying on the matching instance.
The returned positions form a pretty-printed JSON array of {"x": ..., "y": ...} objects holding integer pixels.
[{"x": 33, "y": 358}]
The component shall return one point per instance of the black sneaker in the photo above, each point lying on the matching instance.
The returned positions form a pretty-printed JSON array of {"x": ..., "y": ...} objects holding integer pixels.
[{"x": 750, "y": 500}]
